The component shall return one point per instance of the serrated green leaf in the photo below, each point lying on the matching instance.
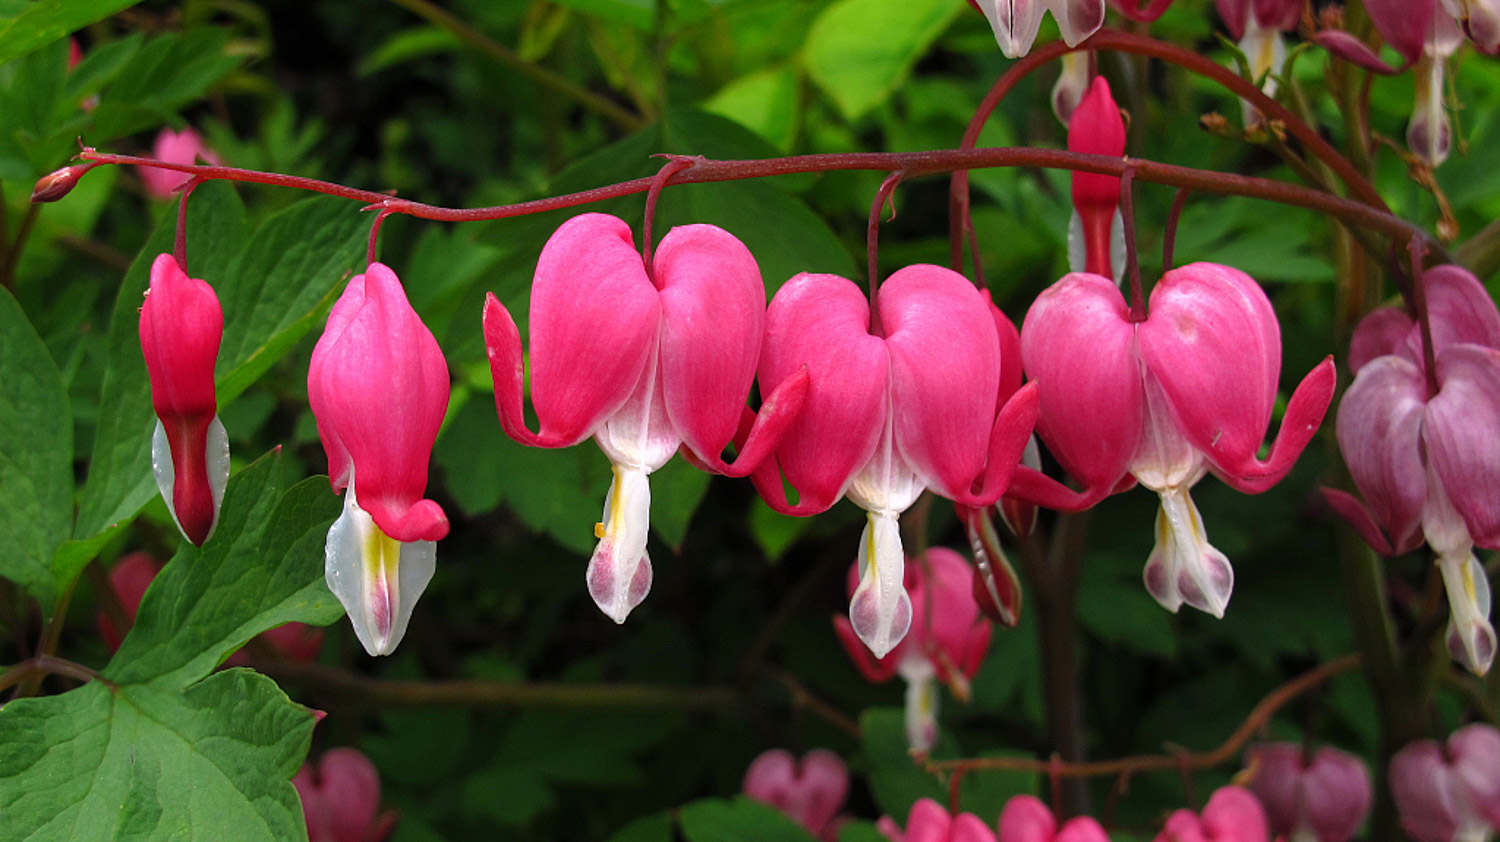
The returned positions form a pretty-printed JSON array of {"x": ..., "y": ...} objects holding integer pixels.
[
  {"x": 36, "y": 456},
  {"x": 166, "y": 73},
  {"x": 859, "y": 51},
  {"x": 138, "y": 762},
  {"x": 738, "y": 819},
  {"x": 263, "y": 567},
  {"x": 31, "y": 25}
]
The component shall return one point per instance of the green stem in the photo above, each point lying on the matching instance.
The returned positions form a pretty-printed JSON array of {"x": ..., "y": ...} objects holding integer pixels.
[
  {"x": 51, "y": 634},
  {"x": 11, "y": 257},
  {"x": 554, "y": 82}
]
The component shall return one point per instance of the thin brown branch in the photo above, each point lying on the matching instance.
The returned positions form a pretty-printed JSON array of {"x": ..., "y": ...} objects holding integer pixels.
[{"x": 1259, "y": 716}]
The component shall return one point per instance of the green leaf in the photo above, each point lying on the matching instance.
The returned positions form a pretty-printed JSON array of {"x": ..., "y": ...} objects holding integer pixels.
[
  {"x": 861, "y": 831},
  {"x": 656, "y": 827},
  {"x": 150, "y": 751},
  {"x": 764, "y": 102},
  {"x": 739, "y": 819},
  {"x": 138, "y": 762},
  {"x": 119, "y": 481},
  {"x": 263, "y": 567},
  {"x": 408, "y": 45},
  {"x": 897, "y": 781},
  {"x": 676, "y": 491},
  {"x": 25, "y": 27},
  {"x": 166, "y": 73},
  {"x": 859, "y": 51},
  {"x": 36, "y": 456}
]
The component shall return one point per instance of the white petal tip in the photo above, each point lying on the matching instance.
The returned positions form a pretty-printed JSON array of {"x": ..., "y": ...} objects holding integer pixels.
[{"x": 376, "y": 578}]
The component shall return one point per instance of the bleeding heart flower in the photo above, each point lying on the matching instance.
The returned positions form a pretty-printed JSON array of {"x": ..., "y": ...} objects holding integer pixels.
[
  {"x": 1428, "y": 464},
  {"x": 181, "y": 327},
  {"x": 1321, "y": 797},
  {"x": 378, "y": 386},
  {"x": 1015, "y": 22},
  {"x": 643, "y": 361},
  {"x": 1480, "y": 20},
  {"x": 1096, "y": 234},
  {"x": 341, "y": 799},
  {"x": 1449, "y": 793},
  {"x": 1026, "y": 819},
  {"x": 811, "y": 791},
  {"x": 184, "y": 147},
  {"x": 1231, "y": 815},
  {"x": 889, "y": 416},
  {"x": 1163, "y": 401},
  {"x": 947, "y": 642},
  {"x": 929, "y": 822},
  {"x": 1257, "y": 26}
]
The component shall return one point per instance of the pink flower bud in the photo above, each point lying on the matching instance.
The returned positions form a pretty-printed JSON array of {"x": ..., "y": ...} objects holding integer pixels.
[
  {"x": 1097, "y": 129},
  {"x": 1324, "y": 797},
  {"x": 378, "y": 386},
  {"x": 947, "y": 642},
  {"x": 184, "y": 147},
  {"x": 341, "y": 799},
  {"x": 181, "y": 326},
  {"x": 129, "y": 579},
  {"x": 1026, "y": 819},
  {"x": 56, "y": 184},
  {"x": 929, "y": 822},
  {"x": 1451, "y": 792},
  {"x": 1231, "y": 815},
  {"x": 811, "y": 791}
]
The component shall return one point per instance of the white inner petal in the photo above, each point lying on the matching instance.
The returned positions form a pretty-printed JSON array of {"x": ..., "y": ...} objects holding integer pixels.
[
  {"x": 619, "y": 572},
  {"x": 216, "y": 458},
  {"x": 921, "y": 713},
  {"x": 1470, "y": 637},
  {"x": 375, "y": 577},
  {"x": 880, "y": 610},
  {"x": 1183, "y": 566}
]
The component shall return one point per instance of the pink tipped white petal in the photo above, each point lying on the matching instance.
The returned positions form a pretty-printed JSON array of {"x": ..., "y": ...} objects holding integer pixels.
[
  {"x": 619, "y": 572},
  {"x": 1183, "y": 566},
  {"x": 1014, "y": 22},
  {"x": 880, "y": 610},
  {"x": 376, "y": 578}
]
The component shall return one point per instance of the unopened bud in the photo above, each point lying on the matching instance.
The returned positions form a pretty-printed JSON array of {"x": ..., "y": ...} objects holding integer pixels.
[{"x": 58, "y": 183}]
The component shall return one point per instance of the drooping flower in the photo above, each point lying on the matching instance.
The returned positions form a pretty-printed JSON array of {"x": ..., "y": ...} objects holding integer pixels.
[
  {"x": 811, "y": 790},
  {"x": 1319, "y": 797},
  {"x": 889, "y": 416},
  {"x": 181, "y": 326},
  {"x": 929, "y": 822},
  {"x": 1026, "y": 819},
  {"x": 1480, "y": 20},
  {"x": 1257, "y": 26},
  {"x": 1188, "y": 390},
  {"x": 378, "y": 386},
  {"x": 947, "y": 642},
  {"x": 1428, "y": 463},
  {"x": 341, "y": 799},
  {"x": 1015, "y": 22},
  {"x": 1449, "y": 793},
  {"x": 643, "y": 361},
  {"x": 1231, "y": 815},
  {"x": 174, "y": 147},
  {"x": 1096, "y": 234}
]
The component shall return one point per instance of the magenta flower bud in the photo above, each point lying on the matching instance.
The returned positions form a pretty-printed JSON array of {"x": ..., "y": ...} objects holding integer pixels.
[
  {"x": 1096, "y": 236},
  {"x": 889, "y": 416},
  {"x": 947, "y": 642},
  {"x": 811, "y": 791},
  {"x": 1424, "y": 462},
  {"x": 184, "y": 147},
  {"x": 56, "y": 184},
  {"x": 1163, "y": 401},
  {"x": 1231, "y": 815},
  {"x": 378, "y": 386},
  {"x": 929, "y": 822},
  {"x": 1026, "y": 819},
  {"x": 1016, "y": 22},
  {"x": 646, "y": 362},
  {"x": 1321, "y": 798},
  {"x": 341, "y": 799},
  {"x": 1449, "y": 793},
  {"x": 181, "y": 326}
]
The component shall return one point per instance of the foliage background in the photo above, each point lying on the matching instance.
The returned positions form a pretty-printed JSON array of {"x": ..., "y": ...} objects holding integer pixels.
[{"x": 469, "y": 105}]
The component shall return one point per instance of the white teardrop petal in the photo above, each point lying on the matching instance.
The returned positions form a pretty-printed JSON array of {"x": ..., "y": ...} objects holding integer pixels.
[
  {"x": 880, "y": 610},
  {"x": 375, "y": 577},
  {"x": 619, "y": 573}
]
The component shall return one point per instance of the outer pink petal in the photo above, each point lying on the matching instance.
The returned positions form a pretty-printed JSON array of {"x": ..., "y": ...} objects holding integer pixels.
[
  {"x": 713, "y": 316},
  {"x": 1097, "y": 128},
  {"x": 1379, "y": 430},
  {"x": 1234, "y": 13},
  {"x": 1082, "y": 829},
  {"x": 1382, "y": 331},
  {"x": 351, "y": 792},
  {"x": 1026, "y": 819},
  {"x": 945, "y": 373},
  {"x": 1233, "y": 815},
  {"x": 1425, "y": 792},
  {"x": 1010, "y": 352},
  {"x": 1278, "y": 14},
  {"x": 1349, "y": 507},
  {"x": 1277, "y": 782},
  {"x": 1182, "y": 826},
  {"x": 1459, "y": 309},
  {"x": 1080, "y": 351},
  {"x": 378, "y": 387},
  {"x": 928, "y": 821},
  {"x": 1476, "y": 765},
  {"x": 953, "y": 626},
  {"x": 1404, "y": 24},
  {"x": 1336, "y": 793},
  {"x": 1351, "y": 49},
  {"x": 181, "y": 326},
  {"x": 1462, "y": 435},
  {"x": 821, "y": 322},
  {"x": 968, "y": 827},
  {"x": 594, "y": 318}
]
